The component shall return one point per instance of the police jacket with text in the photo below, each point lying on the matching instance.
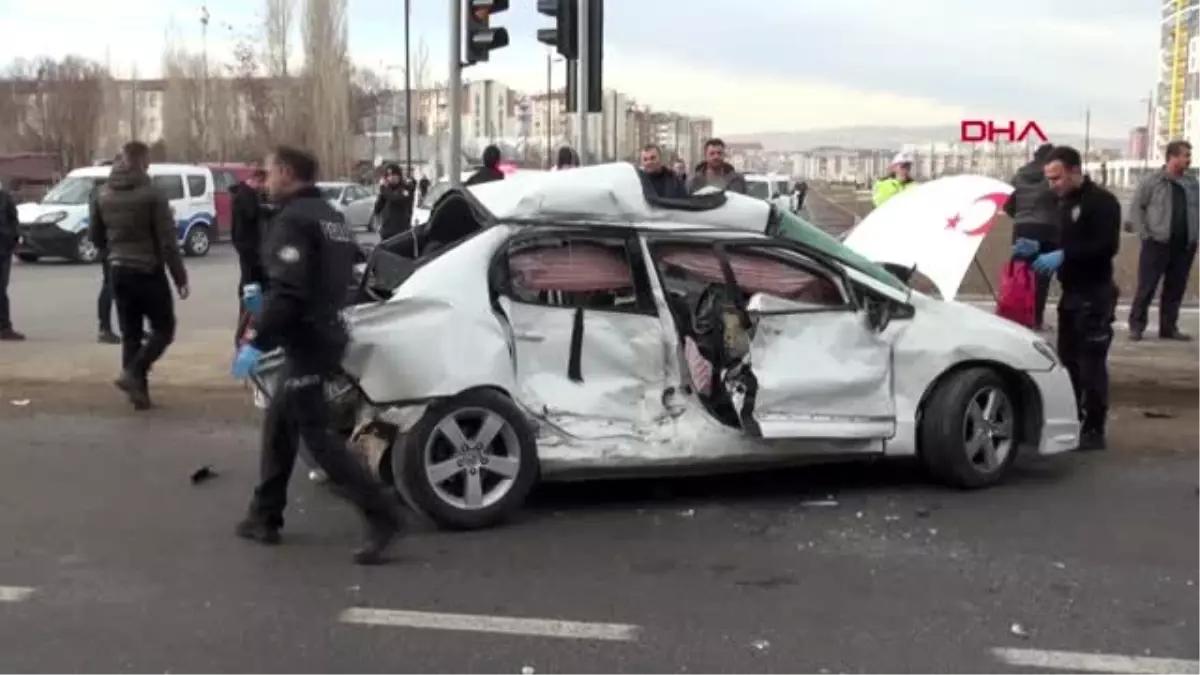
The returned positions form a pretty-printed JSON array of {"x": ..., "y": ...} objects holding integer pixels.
[
  {"x": 309, "y": 256},
  {"x": 1091, "y": 237}
]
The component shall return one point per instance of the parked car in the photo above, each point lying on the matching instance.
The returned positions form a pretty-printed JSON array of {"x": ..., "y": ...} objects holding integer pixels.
[
  {"x": 225, "y": 178},
  {"x": 566, "y": 325},
  {"x": 56, "y": 227},
  {"x": 356, "y": 202},
  {"x": 774, "y": 187}
]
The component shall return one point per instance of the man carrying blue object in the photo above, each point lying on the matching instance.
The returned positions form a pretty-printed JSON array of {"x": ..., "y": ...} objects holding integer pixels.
[
  {"x": 309, "y": 259},
  {"x": 1090, "y": 219}
]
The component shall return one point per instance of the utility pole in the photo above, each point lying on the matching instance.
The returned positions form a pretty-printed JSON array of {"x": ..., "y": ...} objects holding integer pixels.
[
  {"x": 549, "y": 108},
  {"x": 204, "y": 116},
  {"x": 1087, "y": 134},
  {"x": 455, "y": 85},
  {"x": 582, "y": 89},
  {"x": 1150, "y": 141},
  {"x": 408, "y": 87}
]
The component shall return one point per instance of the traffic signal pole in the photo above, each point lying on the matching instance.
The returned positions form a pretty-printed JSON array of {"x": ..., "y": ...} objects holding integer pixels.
[
  {"x": 455, "y": 94},
  {"x": 581, "y": 91}
]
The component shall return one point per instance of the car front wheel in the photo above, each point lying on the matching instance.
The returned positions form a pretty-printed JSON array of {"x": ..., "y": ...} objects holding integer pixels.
[
  {"x": 470, "y": 462},
  {"x": 968, "y": 429},
  {"x": 198, "y": 241}
]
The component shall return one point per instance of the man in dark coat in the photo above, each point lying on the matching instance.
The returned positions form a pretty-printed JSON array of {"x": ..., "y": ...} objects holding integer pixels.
[
  {"x": 663, "y": 181},
  {"x": 1033, "y": 206},
  {"x": 491, "y": 168},
  {"x": 394, "y": 206}
]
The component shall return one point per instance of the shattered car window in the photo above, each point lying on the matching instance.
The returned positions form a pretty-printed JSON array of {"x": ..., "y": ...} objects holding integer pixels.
[{"x": 579, "y": 274}]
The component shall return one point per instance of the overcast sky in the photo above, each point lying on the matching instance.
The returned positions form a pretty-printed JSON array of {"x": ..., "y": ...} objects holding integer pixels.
[{"x": 769, "y": 65}]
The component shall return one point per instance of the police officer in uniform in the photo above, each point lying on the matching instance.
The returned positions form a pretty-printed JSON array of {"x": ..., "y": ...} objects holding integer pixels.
[
  {"x": 1090, "y": 219},
  {"x": 309, "y": 259}
]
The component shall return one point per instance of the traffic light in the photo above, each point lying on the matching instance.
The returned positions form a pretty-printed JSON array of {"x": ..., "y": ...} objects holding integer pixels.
[
  {"x": 595, "y": 56},
  {"x": 481, "y": 37},
  {"x": 564, "y": 37}
]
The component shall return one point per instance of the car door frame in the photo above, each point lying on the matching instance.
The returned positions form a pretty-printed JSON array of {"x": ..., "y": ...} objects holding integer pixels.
[
  {"x": 645, "y": 307},
  {"x": 872, "y": 427}
]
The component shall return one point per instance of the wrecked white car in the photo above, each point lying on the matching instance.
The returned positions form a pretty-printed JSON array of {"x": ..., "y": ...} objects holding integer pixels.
[{"x": 568, "y": 324}]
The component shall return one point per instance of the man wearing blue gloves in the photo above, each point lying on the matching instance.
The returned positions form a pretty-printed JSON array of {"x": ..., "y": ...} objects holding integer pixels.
[
  {"x": 1033, "y": 208},
  {"x": 309, "y": 262},
  {"x": 1090, "y": 219}
]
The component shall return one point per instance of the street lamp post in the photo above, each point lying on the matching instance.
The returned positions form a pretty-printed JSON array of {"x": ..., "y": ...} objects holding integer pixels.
[{"x": 408, "y": 137}]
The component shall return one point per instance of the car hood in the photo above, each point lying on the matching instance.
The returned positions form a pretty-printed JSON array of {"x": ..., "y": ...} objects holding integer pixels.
[
  {"x": 31, "y": 211},
  {"x": 936, "y": 227}
]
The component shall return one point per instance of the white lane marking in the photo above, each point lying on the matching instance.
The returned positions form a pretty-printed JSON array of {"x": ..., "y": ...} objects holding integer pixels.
[
  {"x": 15, "y": 593},
  {"x": 1040, "y": 659},
  {"x": 481, "y": 623}
]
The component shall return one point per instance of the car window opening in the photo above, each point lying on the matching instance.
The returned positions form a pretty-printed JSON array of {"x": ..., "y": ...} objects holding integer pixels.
[
  {"x": 565, "y": 273},
  {"x": 716, "y": 346}
]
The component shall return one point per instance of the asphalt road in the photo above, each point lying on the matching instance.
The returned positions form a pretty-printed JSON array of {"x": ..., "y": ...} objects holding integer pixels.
[{"x": 114, "y": 562}]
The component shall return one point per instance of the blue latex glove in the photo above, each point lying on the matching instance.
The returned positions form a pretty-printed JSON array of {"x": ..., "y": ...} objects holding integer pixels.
[
  {"x": 1025, "y": 248},
  {"x": 253, "y": 301},
  {"x": 1048, "y": 263},
  {"x": 247, "y": 357}
]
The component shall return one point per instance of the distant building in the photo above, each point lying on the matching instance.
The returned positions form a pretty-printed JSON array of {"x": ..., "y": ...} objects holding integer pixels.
[{"x": 1139, "y": 143}]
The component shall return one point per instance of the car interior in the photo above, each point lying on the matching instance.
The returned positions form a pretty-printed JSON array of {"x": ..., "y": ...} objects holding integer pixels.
[{"x": 711, "y": 315}]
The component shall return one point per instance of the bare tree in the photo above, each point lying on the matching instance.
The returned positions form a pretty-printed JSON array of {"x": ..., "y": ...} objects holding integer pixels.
[
  {"x": 183, "y": 104},
  {"x": 286, "y": 119},
  {"x": 368, "y": 92},
  {"x": 327, "y": 80},
  {"x": 65, "y": 101}
]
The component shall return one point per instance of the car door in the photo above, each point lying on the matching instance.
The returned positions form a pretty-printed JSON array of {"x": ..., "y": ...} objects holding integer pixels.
[
  {"x": 171, "y": 187},
  {"x": 588, "y": 342},
  {"x": 808, "y": 362},
  {"x": 359, "y": 205}
]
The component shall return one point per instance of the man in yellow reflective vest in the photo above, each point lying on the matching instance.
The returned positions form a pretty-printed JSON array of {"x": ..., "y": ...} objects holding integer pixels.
[{"x": 898, "y": 180}]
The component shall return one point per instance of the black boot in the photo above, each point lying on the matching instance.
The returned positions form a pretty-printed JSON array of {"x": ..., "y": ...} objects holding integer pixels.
[
  {"x": 136, "y": 387},
  {"x": 106, "y": 336},
  {"x": 258, "y": 530},
  {"x": 1092, "y": 440},
  {"x": 381, "y": 532}
]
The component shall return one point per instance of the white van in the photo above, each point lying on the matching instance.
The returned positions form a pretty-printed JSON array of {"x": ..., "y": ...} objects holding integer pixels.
[
  {"x": 770, "y": 187},
  {"x": 57, "y": 226}
]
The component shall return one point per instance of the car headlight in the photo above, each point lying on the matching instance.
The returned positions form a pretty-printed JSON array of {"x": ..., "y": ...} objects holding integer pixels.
[
  {"x": 1047, "y": 351},
  {"x": 51, "y": 217}
]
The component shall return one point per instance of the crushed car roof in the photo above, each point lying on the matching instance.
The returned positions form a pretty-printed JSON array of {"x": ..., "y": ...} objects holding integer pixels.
[{"x": 610, "y": 193}]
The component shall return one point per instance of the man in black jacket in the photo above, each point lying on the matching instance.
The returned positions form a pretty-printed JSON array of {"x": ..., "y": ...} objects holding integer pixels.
[
  {"x": 1033, "y": 208},
  {"x": 1090, "y": 219},
  {"x": 249, "y": 228},
  {"x": 491, "y": 168},
  {"x": 9, "y": 234},
  {"x": 130, "y": 221},
  {"x": 310, "y": 256},
  {"x": 661, "y": 180},
  {"x": 394, "y": 206}
]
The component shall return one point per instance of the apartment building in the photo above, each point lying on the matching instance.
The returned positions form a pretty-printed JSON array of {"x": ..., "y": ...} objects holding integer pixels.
[{"x": 1177, "y": 97}]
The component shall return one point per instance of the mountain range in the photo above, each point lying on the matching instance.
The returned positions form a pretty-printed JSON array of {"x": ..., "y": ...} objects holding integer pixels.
[{"x": 885, "y": 137}]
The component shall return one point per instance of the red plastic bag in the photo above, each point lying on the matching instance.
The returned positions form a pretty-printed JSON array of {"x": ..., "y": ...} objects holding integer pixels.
[{"x": 1018, "y": 293}]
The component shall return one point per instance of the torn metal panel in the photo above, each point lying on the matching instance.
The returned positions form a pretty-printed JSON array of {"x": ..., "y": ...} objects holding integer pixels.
[
  {"x": 621, "y": 368},
  {"x": 411, "y": 346},
  {"x": 820, "y": 374}
]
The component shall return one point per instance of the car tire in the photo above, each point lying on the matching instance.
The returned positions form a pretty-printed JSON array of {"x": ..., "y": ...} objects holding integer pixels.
[
  {"x": 434, "y": 476},
  {"x": 28, "y": 257},
  {"x": 968, "y": 429},
  {"x": 198, "y": 241},
  {"x": 85, "y": 251}
]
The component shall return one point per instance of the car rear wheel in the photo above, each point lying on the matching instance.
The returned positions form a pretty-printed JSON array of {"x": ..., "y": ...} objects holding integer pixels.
[
  {"x": 198, "y": 241},
  {"x": 469, "y": 463},
  {"x": 968, "y": 429}
]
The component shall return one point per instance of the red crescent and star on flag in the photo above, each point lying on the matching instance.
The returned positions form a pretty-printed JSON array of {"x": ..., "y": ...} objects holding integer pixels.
[{"x": 996, "y": 199}]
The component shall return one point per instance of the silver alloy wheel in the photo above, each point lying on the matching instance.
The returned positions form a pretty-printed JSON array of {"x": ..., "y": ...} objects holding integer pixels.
[
  {"x": 988, "y": 429},
  {"x": 85, "y": 250},
  {"x": 472, "y": 457},
  {"x": 198, "y": 240}
]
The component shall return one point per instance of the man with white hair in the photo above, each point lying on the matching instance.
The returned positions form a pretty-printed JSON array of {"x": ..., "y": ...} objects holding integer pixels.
[{"x": 898, "y": 180}]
